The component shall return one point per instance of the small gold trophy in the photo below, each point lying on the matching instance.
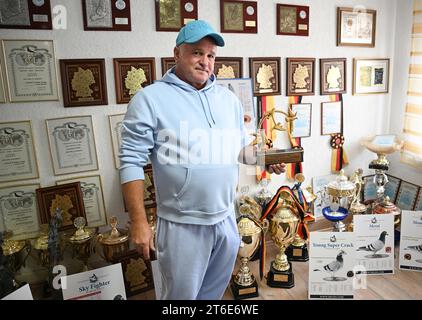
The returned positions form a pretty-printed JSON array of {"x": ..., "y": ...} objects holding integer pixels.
[
  {"x": 113, "y": 242},
  {"x": 356, "y": 207},
  {"x": 81, "y": 242}
]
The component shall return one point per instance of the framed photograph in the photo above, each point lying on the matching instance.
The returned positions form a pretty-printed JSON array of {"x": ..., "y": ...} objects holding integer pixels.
[
  {"x": 242, "y": 88},
  {"x": 331, "y": 117},
  {"x": 131, "y": 75},
  {"x": 239, "y": 16},
  {"x": 115, "y": 121},
  {"x": 300, "y": 76},
  {"x": 302, "y": 125},
  {"x": 149, "y": 188},
  {"x": 265, "y": 74},
  {"x": 356, "y": 27},
  {"x": 166, "y": 64},
  {"x": 93, "y": 198},
  {"x": 332, "y": 75},
  {"x": 407, "y": 195},
  {"x": 228, "y": 67},
  {"x": 106, "y": 15},
  {"x": 19, "y": 211},
  {"x": 65, "y": 199},
  {"x": 25, "y": 14},
  {"x": 83, "y": 82},
  {"x": 2, "y": 92},
  {"x": 418, "y": 204},
  {"x": 370, "y": 76},
  {"x": 171, "y": 15},
  {"x": 369, "y": 189},
  {"x": 392, "y": 187},
  {"x": 30, "y": 70},
  {"x": 292, "y": 20},
  {"x": 18, "y": 160},
  {"x": 137, "y": 272},
  {"x": 72, "y": 144}
]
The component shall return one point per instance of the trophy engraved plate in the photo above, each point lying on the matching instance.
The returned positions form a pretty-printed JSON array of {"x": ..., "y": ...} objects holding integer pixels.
[
  {"x": 248, "y": 290},
  {"x": 281, "y": 277},
  {"x": 297, "y": 252},
  {"x": 280, "y": 155}
]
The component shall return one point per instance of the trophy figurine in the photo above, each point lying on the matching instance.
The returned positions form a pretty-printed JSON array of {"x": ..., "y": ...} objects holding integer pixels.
[
  {"x": 356, "y": 207},
  {"x": 244, "y": 284},
  {"x": 263, "y": 196},
  {"x": 81, "y": 242},
  {"x": 114, "y": 241}
]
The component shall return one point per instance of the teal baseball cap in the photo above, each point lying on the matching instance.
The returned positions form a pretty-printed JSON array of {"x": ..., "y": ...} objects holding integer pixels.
[{"x": 196, "y": 30}]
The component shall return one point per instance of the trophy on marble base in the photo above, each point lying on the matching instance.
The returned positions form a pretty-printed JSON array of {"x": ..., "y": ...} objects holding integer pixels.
[{"x": 81, "y": 242}]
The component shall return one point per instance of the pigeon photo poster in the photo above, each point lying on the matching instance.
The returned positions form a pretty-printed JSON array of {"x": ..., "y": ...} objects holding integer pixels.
[
  {"x": 374, "y": 243},
  {"x": 331, "y": 264},
  {"x": 411, "y": 241},
  {"x": 104, "y": 283}
]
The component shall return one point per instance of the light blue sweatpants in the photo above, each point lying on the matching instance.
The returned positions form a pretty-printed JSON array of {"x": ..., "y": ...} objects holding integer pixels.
[{"x": 196, "y": 261}]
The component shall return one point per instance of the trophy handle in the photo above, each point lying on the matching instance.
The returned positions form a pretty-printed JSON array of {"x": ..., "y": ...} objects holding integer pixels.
[{"x": 28, "y": 249}]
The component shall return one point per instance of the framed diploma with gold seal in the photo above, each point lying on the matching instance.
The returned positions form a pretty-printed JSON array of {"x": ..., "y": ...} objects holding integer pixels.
[
  {"x": 72, "y": 144},
  {"x": 115, "y": 121},
  {"x": 106, "y": 15},
  {"x": 292, "y": 20},
  {"x": 30, "y": 67},
  {"x": 83, "y": 82},
  {"x": 171, "y": 15},
  {"x": 18, "y": 159},
  {"x": 265, "y": 74},
  {"x": 332, "y": 76},
  {"x": 300, "y": 76},
  {"x": 131, "y": 75},
  {"x": 228, "y": 67},
  {"x": 238, "y": 16},
  {"x": 166, "y": 64},
  {"x": 18, "y": 211},
  {"x": 25, "y": 14}
]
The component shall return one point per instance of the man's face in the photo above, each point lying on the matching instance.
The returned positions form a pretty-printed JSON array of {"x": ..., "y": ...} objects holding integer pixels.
[{"x": 195, "y": 62}]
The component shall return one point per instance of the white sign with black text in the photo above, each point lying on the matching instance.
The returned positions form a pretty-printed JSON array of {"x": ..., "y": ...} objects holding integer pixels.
[{"x": 411, "y": 241}]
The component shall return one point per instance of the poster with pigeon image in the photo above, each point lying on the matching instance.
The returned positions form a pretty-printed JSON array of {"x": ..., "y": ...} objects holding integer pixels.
[
  {"x": 374, "y": 243},
  {"x": 411, "y": 241},
  {"x": 331, "y": 265}
]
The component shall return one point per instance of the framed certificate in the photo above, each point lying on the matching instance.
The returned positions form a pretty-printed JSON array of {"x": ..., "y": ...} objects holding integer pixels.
[
  {"x": 331, "y": 117},
  {"x": 356, "y": 27},
  {"x": 302, "y": 125},
  {"x": 115, "y": 122},
  {"x": 131, "y": 75},
  {"x": 418, "y": 204},
  {"x": 72, "y": 144},
  {"x": 332, "y": 75},
  {"x": 83, "y": 82},
  {"x": 171, "y": 15},
  {"x": 2, "y": 92},
  {"x": 292, "y": 20},
  {"x": 65, "y": 200},
  {"x": 228, "y": 67},
  {"x": 239, "y": 16},
  {"x": 407, "y": 195},
  {"x": 30, "y": 70},
  {"x": 93, "y": 198},
  {"x": 106, "y": 15},
  {"x": 18, "y": 160},
  {"x": 166, "y": 64},
  {"x": 265, "y": 74},
  {"x": 25, "y": 14},
  {"x": 392, "y": 188},
  {"x": 370, "y": 76},
  {"x": 300, "y": 76},
  {"x": 18, "y": 211},
  {"x": 369, "y": 189},
  {"x": 149, "y": 188}
]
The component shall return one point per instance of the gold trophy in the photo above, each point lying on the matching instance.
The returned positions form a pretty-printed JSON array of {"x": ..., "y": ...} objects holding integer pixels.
[
  {"x": 81, "y": 242},
  {"x": 356, "y": 207},
  {"x": 244, "y": 284},
  {"x": 113, "y": 242}
]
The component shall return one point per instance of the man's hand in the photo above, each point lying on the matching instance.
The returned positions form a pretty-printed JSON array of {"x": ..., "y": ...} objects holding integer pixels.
[
  {"x": 276, "y": 168},
  {"x": 142, "y": 237}
]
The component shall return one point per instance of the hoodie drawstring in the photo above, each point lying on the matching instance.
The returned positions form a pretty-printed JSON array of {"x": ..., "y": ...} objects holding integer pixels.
[{"x": 209, "y": 107}]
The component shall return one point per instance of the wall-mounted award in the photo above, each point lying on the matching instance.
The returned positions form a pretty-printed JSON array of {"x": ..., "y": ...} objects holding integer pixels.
[
  {"x": 106, "y": 15},
  {"x": 300, "y": 76},
  {"x": 292, "y": 20},
  {"x": 239, "y": 16},
  {"x": 265, "y": 73},
  {"x": 115, "y": 121},
  {"x": 171, "y": 15},
  {"x": 228, "y": 67},
  {"x": 25, "y": 14},
  {"x": 166, "y": 64},
  {"x": 332, "y": 76}
]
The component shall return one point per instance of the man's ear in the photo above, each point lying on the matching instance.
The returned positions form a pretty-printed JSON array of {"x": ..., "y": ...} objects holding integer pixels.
[{"x": 176, "y": 53}]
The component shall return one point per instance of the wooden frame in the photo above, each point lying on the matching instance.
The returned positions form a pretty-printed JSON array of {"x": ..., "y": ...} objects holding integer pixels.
[
  {"x": 265, "y": 74},
  {"x": 238, "y": 16},
  {"x": 108, "y": 15},
  {"x": 83, "y": 82},
  {"x": 332, "y": 76},
  {"x": 149, "y": 188},
  {"x": 67, "y": 198},
  {"x": 292, "y": 20},
  {"x": 369, "y": 190},
  {"x": 26, "y": 14},
  {"x": 407, "y": 195},
  {"x": 333, "y": 115},
  {"x": 131, "y": 75},
  {"x": 304, "y": 120},
  {"x": 115, "y": 121},
  {"x": 370, "y": 76},
  {"x": 392, "y": 187},
  {"x": 356, "y": 27},
  {"x": 228, "y": 67},
  {"x": 300, "y": 77},
  {"x": 3, "y": 98},
  {"x": 172, "y": 15},
  {"x": 418, "y": 203},
  {"x": 166, "y": 64}
]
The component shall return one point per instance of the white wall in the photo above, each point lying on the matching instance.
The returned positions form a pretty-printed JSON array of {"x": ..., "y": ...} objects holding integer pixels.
[{"x": 363, "y": 115}]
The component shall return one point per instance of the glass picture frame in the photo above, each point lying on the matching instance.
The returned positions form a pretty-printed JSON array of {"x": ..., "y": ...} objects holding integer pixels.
[
  {"x": 3, "y": 98},
  {"x": 25, "y": 14},
  {"x": 407, "y": 195},
  {"x": 292, "y": 20},
  {"x": 356, "y": 26},
  {"x": 302, "y": 125},
  {"x": 106, "y": 15},
  {"x": 172, "y": 15},
  {"x": 72, "y": 144},
  {"x": 228, "y": 67},
  {"x": 418, "y": 203},
  {"x": 392, "y": 187},
  {"x": 265, "y": 74},
  {"x": 333, "y": 76},
  {"x": 369, "y": 189},
  {"x": 331, "y": 117},
  {"x": 370, "y": 76},
  {"x": 166, "y": 64},
  {"x": 238, "y": 16},
  {"x": 115, "y": 121},
  {"x": 30, "y": 68},
  {"x": 300, "y": 76}
]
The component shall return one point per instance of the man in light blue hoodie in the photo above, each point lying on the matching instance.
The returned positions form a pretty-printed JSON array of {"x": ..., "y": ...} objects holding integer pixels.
[{"x": 192, "y": 132}]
